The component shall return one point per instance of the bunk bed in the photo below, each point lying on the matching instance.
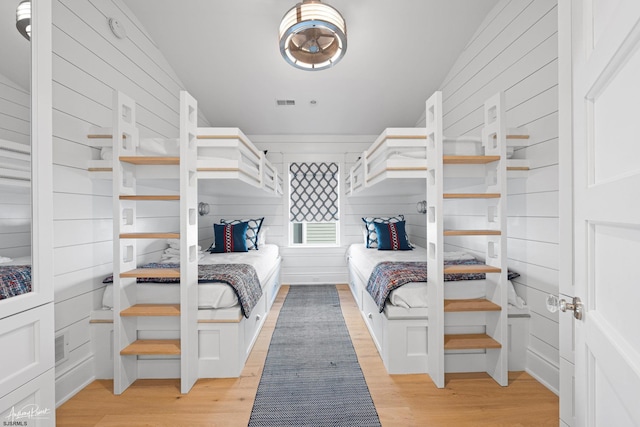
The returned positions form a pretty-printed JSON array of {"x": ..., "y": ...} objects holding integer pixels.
[
  {"x": 457, "y": 326},
  {"x": 228, "y": 162},
  {"x": 203, "y": 330},
  {"x": 399, "y": 328},
  {"x": 398, "y": 158}
]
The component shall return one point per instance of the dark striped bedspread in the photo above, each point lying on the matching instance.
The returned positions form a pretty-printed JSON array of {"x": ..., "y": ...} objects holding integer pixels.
[
  {"x": 241, "y": 277},
  {"x": 390, "y": 275},
  {"x": 14, "y": 280}
]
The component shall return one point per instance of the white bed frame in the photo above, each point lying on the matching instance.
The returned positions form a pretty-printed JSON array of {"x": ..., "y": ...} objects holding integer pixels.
[
  {"x": 225, "y": 338},
  {"x": 401, "y": 154},
  {"x": 228, "y": 163},
  {"x": 400, "y": 334}
]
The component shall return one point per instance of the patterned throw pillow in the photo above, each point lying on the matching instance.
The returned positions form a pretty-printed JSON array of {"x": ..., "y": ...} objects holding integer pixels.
[
  {"x": 392, "y": 236},
  {"x": 372, "y": 237},
  {"x": 230, "y": 238},
  {"x": 252, "y": 231}
]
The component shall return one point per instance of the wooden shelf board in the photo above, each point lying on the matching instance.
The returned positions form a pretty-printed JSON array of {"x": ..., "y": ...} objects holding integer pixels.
[
  {"x": 517, "y": 168},
  {"x": 153, "y": 273},
  {"x": 150, "y": 235},
  {"x": 469, "y": 160},
  {"x": 150, "y": 198},
  {"x": 472, "y": 232},
  {"x": 471, "y": 195},
  {"x": 150, "y": 160},
  {"x": 469, "y": 341},
  {"x": 460, "y": 305},
  {"x": 152, "y": 347},
  {"x": 467, "y": 269},
  {"x": 151, "y": 310}
]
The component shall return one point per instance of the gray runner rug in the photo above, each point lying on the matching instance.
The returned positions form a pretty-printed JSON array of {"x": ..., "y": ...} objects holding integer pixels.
[{"x": 311, "y": 376}]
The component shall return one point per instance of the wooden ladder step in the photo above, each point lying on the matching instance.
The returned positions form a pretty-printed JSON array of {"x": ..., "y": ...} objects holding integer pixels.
[
  {"x": 461, "y": 305},
  {"x": 470, "y": 269},
  {"x": 471, "y": 195},
  {"x": 153, "y": 273},
  {"x": 150, "y": 235},
  {"x": 469, "y": 160},
  {"x": 472, "y": 232},
  {"x": 150, "y": 198},
  {"x": 140, "y": 310},
  {"x": 151, "y": 347},
  {"x": 150, "y": 160},
  {"x": 469, "y": 341}
]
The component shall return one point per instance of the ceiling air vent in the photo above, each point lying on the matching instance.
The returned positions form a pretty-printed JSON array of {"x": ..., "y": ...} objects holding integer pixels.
[{"x": 283, "y": 102}]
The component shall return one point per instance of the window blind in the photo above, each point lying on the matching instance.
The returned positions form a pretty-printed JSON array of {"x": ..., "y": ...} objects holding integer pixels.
[{"x": 313, "y": 192}]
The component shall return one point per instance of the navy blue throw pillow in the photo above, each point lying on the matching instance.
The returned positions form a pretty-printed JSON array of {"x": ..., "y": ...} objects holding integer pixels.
[
  {"x": 230, "y": 237},
  {"x": 392, "y": 236}
]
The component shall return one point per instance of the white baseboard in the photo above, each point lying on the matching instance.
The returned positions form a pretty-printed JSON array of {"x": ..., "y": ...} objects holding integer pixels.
[
  {"x": 543, "y": 371},
  {"x": 74, "y": 380}
]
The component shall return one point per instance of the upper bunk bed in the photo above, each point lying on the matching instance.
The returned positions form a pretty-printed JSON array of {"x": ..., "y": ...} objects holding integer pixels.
[
  {"x": 229, "y": 164},
  {"x": 15, "y": 166},
  {"x": 396, "y": 163}
]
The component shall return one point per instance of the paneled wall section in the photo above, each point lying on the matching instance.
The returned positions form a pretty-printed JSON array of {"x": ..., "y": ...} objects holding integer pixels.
[{"x": 89, "y": 63}]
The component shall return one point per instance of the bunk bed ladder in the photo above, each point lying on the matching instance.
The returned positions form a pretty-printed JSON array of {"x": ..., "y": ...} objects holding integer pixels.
[
  {"x": 435, "y": 239},
  {"x": 491, "y": 311},
  {"x": 128, "y": 345}
]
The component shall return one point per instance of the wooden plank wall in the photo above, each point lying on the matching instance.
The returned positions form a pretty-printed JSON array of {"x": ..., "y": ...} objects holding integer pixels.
[
  {"x": 89, "y": 63},
  {"x": 515, "y": 51},
  {"x": 15, "y": 203}
]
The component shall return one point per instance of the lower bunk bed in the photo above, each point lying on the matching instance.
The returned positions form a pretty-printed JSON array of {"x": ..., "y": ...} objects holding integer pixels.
[
  {"x": 399, "y": 324},
  {"x": 226, "y": 334}
]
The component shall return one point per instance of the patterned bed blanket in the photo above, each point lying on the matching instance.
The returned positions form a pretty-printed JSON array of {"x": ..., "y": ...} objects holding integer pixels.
[
  {"x": 241, "y": 277},
  {"x": 390, "y": 275},
  {"x": 14, "y": 280}
]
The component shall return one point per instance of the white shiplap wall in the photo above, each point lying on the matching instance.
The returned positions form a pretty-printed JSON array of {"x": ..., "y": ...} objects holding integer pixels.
[
  {"x": 89, "y": 63},
  {"x": 515, "y": 51},
  {"x": 15, "y": 202}
]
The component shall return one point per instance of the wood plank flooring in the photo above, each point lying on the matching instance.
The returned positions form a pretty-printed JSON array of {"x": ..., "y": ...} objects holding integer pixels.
[{"x": 401, "y": 400}]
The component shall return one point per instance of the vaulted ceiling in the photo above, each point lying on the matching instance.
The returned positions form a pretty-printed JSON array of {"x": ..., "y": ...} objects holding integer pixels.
[{"x": 226, "y": 53}]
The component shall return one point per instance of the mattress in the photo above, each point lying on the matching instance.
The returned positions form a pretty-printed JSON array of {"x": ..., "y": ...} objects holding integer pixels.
[
  {"x": 414, "y": 295},
  {"x": 212, "y": 295}
]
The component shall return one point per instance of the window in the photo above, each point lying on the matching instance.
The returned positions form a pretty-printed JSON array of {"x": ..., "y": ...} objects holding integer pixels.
[{"x": 314, "y": 203}]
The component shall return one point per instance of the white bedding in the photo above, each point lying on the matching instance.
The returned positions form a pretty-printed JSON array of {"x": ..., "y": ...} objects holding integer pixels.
[
  {"x": 210, "y": 295},
  {"x": 414, "y": 295}
]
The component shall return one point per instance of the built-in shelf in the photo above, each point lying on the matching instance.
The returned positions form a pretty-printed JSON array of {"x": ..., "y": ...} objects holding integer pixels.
[
  {"x": 469, "y": 342},
  {"x": 469, "y": 160},
  {"x": 460, "y": 305},
  {"x": 150, "y": 198},
  {"x": 150, "y": 160},
  {"x": 470, "y": 269},
  {"x": 153, "y": 273},
  {"x": 143, "y": 310},
  {"x": 152, "y": 347}
]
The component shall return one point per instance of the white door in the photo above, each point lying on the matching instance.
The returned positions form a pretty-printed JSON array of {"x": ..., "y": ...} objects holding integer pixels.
[{"x": 606, "y": 152}]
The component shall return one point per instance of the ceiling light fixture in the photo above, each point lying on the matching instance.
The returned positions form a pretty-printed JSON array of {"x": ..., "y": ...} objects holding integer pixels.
[
  {"x": 313, "y": 36},
  {"x": 23, "y": 18}
]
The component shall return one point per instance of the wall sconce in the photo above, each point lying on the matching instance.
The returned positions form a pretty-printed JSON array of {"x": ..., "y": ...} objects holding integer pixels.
[
  {"x": 203, "y": 208},
  {"x": 23, "y": 18},
  {"x": 422, "y": 207}
]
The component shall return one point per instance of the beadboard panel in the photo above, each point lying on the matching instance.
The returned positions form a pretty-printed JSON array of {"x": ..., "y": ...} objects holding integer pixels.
[
  {"x": 89, "y": 63},
  {"x": 515, "y": 51},
  {"x": 15, "y": 112},
  {"x": 15, "y": 202}
]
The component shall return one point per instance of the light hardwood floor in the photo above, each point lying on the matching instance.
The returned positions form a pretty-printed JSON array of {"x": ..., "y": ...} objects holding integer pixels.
[{"x": 401, "y": 400}]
